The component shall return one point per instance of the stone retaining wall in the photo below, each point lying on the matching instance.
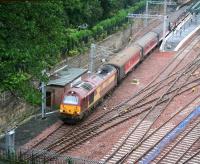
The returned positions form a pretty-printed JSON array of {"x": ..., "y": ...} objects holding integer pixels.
[{"x": 13, "y": 112}]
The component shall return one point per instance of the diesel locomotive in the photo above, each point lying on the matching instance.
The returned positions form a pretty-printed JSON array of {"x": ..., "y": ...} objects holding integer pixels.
[{"x": 85, "y": 94}]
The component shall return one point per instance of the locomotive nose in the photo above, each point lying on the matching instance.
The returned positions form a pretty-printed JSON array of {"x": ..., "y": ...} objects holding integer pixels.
[
  {"x": 70, "y": 105},
  {"x": 70, "y": 109}
]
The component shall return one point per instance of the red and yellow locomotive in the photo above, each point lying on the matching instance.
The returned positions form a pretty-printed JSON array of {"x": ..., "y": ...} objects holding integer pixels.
[{"x": 85, "y": 94}]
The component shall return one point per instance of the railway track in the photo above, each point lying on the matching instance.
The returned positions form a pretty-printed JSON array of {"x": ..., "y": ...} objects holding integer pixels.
[
  {"x": 80, "y": 135},
  {"x": 97, "y": 128},
  {"x": 120, "y": 154},
  {"x": 162, "y": 76},
  {"x": 183, "y": 147},
  {"x": 148, "y": 142},
  {"x": 140, "y": 106},
  {"x": 143, "y": 128}
]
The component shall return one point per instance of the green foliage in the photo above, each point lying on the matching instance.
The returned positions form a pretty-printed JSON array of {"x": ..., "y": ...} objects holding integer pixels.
[
  {"x": 110, "y": 7},
  {"x": 32, "y": 35},
  {"x": 76, "y": 39},
  {"x": 78, "y": 12},
  {"x": 73, "y": 52}
]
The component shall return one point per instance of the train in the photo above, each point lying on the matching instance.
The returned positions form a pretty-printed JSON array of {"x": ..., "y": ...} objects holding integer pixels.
[{"x": 84, "y": 95}]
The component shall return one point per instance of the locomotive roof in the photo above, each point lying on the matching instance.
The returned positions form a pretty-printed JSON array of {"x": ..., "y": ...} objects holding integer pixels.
[
  {"x": 90, "y": 82},
  {"x": 82, "y": 87},
  {"x": 78, "y": 90},
  {"x": 124, "y": 55}
]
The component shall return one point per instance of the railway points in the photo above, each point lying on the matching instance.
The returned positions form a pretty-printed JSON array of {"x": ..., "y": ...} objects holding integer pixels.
[
  {"x": 78, "y": 132},
  {"x": 137, "y": 148},
  {"x": 101, "y": 134}
]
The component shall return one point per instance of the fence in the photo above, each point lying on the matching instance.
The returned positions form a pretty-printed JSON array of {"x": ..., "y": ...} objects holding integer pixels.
[{"x": 40, "y": 156}]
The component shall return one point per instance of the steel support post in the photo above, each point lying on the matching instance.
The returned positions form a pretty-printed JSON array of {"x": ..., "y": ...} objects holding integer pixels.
[
  {"x": 43, "y": 86},
  {"x": 164, "y": 24},
  {"x": 10, "y": 141},
  {"x": 147, "y": 12},
  {"x": 92, "y": 57}
]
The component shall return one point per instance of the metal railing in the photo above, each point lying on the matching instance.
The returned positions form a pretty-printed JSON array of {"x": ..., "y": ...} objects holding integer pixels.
[{"x": 41, "y": 156}]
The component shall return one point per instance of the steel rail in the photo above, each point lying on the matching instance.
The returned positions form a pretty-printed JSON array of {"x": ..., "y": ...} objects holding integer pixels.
[
  {"x": 194, "y": 126},
  {"x": 141, "y": 121}
]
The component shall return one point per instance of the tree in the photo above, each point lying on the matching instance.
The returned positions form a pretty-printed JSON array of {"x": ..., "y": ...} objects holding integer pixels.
[
  {"x": 110, "y": 7},
  {"x": 78, "y": 12},
  {"x": 31, "y": 34}
]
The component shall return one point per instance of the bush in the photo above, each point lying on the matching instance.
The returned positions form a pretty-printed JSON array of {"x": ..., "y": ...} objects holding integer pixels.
[
  {"x": 100, "y": 31},
  {"x": 73, "y": 52}
]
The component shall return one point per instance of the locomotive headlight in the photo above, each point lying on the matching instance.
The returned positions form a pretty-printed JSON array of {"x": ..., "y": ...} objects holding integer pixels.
[
  {"x": 78, "y": 110},
  {"x": 62, "y": 108}
]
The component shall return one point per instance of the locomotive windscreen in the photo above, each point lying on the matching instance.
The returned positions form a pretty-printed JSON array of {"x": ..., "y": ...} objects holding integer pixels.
[{"x": 70, "y": 100}]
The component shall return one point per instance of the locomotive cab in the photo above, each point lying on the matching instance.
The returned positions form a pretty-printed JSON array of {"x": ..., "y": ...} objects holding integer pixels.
[{"x": 70, "y": 105}]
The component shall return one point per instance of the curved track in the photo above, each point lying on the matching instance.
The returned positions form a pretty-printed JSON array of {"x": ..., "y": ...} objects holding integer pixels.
[
  {"x": 148, "y": 102},
  {"x": 149, "y": 98},
  {"x": 123, "y": 151},
  {"x": 184, "y": 147},
  {"x": 142, "y": 129}
]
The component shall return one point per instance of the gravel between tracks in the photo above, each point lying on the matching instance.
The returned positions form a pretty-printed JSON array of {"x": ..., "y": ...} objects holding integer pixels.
[
  {"x": 109, "y": 42},
  {"x": 99, "y": 146}
]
